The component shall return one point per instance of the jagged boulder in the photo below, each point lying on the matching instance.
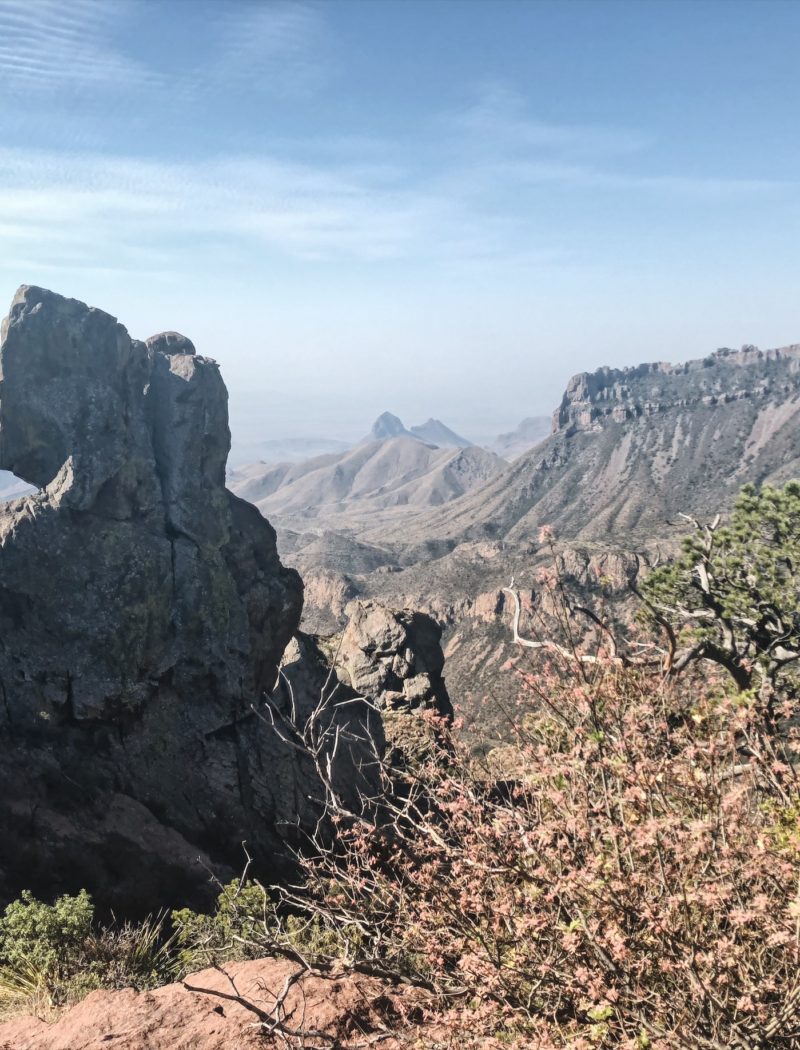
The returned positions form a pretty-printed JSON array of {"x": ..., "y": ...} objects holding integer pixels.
[
  {"x": 143, "y": 613},
  {"x": 393, "y": 658}
]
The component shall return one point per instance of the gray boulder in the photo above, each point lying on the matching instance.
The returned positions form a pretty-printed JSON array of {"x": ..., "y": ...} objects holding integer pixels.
[
  {"x": 393, "y": 658},
  {"x": 143, "y": 615}
]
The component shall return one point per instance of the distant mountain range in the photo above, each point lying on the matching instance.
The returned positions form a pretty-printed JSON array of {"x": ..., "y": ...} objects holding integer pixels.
[
  {"x": 394, "y": 471},
  {"x": 528, "y": 435},
  {"x": 630, "y": 450},
  {"x": 433, "y": 432},
  {"x": 634, "y": 447},
  {"x": 378, "y": 479}
]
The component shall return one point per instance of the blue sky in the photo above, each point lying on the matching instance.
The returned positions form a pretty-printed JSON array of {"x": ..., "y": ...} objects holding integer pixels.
[{"x": 437, "y": 208}]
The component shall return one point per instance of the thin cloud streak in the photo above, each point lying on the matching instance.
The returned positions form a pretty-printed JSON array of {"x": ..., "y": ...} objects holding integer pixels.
[
  {"x": 498, "y": 120},
  {"x": 314, "y": 212},
  {"x": 49, "y": 44},
  {"x": 281, "y": 47}
]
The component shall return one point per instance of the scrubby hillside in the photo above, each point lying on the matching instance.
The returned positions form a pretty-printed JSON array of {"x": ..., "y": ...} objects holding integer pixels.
[{"x": 390, "y": 477}]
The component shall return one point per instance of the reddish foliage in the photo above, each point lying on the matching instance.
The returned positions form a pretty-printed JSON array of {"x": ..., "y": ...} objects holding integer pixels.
[{"x": 632, "y": 882}]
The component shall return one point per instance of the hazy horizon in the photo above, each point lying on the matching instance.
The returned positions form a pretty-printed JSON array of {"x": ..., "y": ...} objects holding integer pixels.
[{"x": 436, "y": 209}]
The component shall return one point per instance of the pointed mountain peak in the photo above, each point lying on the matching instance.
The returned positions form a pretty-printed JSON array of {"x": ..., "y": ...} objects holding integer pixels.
[
  {"x": 386, "y": 426},
  {"x": 435, "y": 432}
]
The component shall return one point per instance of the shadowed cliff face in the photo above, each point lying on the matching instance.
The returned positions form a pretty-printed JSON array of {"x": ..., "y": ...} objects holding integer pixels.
[{"x": 143, "y": 610}]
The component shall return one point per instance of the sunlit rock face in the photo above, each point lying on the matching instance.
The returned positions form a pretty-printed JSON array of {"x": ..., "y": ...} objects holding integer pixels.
[
  {"x": 143, "y": 612},
  {"x": 615, "y": 395}
]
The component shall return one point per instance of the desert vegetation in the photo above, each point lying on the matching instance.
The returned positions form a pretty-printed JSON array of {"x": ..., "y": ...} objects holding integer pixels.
[
  {"x": 51, "y": 955},
  {"x": 624, "y": 873}
]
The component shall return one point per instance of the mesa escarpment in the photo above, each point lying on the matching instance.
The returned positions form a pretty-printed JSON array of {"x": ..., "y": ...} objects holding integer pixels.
[
  {"x": 143, "y": 613},
  {"x": 619, "y": 394},
  {"x": 632, "y": 448}
]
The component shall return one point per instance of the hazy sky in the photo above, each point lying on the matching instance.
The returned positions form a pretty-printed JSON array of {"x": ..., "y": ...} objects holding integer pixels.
[{"x": 437, "y": 208}]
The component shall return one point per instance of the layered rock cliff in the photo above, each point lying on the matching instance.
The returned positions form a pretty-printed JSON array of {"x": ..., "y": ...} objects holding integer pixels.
[
  {"x": 143, "y": 613},
  {"x": 634, "y": 447},
  {"x": 614, "y": 395}
]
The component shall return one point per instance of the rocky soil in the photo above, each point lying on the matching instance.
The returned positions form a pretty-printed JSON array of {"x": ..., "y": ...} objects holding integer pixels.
[{"x": 177, "y": 1018}]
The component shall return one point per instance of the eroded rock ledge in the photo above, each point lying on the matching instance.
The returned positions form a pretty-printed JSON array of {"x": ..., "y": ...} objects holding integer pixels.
[{"x": 614, "y": 395}]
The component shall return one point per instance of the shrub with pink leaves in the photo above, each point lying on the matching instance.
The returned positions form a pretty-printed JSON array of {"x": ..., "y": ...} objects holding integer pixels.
[{"x": 625, "y": 876}]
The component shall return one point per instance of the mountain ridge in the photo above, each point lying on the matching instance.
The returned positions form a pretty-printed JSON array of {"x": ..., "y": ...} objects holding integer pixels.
[
  {"x": 431, "y": 432},
  {"x": 632, "y": 447},
  {"x": 377, "y": 476}
]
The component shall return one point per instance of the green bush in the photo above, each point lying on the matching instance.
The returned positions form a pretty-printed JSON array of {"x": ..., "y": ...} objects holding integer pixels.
[
  {"x": 230, "y": 932},
  {"x": 246, "y": 924},
  {"x": 45, "y": 937},
  {"x": 732, "y": 596},
  {"x": 53, "y": 954}
]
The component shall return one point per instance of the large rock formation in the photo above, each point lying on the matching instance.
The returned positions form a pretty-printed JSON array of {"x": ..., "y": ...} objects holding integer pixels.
[
  {"x": 614, "y": 395},
  {"x": 393, "y": 657},
  {"x": 143, "y": 611}
]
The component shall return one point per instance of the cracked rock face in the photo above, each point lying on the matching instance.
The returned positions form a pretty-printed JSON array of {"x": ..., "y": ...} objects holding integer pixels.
[
  {"x": 143, "y": 610},
  {"x": 393, "y": 658}
]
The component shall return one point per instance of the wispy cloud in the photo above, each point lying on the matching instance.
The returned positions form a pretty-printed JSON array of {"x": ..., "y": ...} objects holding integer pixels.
[
  {"x": 303, "y": 211},
  {"x": 479, "y": 185},
  {"x": 280, "y": 48},
  {"x": 284, "y": 48},
  {"x": 50, "y": 43},
  {"x": 499, "y": 118},
  {"x": 60, "y": 207}
]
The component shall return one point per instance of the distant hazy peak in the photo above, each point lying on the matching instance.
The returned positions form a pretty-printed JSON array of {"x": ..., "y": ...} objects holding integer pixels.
[
  {"x": 432, "y": 432},
  {"x": 435, "y": 432},
  {"x": 386, "y": 426},
  {"x": 531, "y": 431}
]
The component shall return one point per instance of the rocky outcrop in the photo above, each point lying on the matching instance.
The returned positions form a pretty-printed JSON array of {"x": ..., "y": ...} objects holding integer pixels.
[
  {"x": 143, "y": 612},
  {"x": 435, "y": 432},
  {"x": 327, "y": 595},
  {"x": 348, "y": 732},
  {"x": 614, "y": 395},
  {"x": 431, "y": 432},
  {"x": 393, "y": 658},
  {"x": 386, "y": 426}
]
